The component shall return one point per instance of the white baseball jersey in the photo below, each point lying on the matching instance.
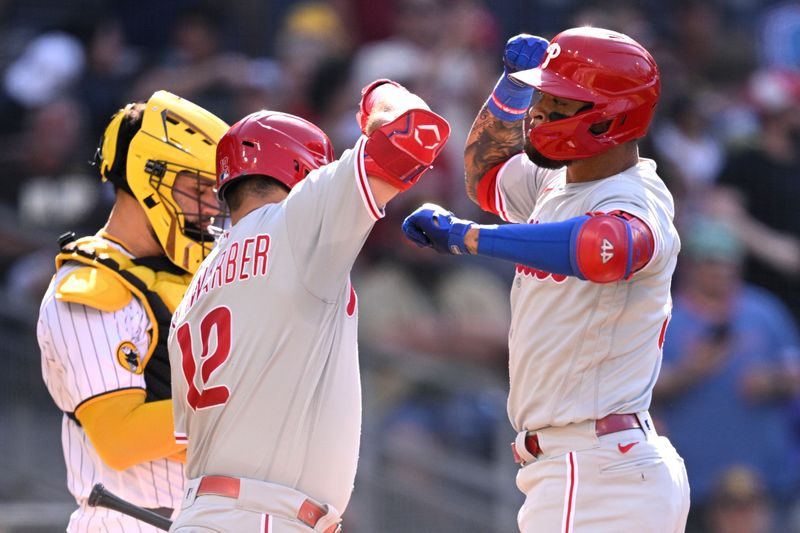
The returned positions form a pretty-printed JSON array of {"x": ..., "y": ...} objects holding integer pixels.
[
  {"x": 580, "y": 350},
  {"x": 78, "y": 346},
  {"x": 263, "y": 346}
]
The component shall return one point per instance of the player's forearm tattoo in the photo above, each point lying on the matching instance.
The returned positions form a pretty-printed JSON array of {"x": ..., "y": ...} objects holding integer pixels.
[{"x": 490, "y": 142}]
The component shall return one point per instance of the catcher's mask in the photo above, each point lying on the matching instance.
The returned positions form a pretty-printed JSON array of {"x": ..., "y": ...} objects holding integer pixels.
[
  {"x": 268, "y": 143},
  {"x": 606, "y": 69},
  {"x": 162, "y": 153}
]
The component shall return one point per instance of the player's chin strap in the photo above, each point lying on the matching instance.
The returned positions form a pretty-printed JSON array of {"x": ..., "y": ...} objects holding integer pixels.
[{"x": 401, "y": 151}]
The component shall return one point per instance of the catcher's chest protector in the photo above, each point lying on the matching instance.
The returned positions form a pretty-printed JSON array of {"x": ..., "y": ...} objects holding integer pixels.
[{"x": 108, "y": 282}]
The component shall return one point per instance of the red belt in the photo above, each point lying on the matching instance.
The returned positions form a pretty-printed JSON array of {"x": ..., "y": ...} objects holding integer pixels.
[
  {"x": 609, "y": 424},
  {"x": 309, "y": 513}
]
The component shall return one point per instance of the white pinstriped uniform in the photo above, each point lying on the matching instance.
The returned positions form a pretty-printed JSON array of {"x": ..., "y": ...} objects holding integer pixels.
[
  {"x": 78, "y": 346},
  {"x": 579, "y": 351},
  {"x": 293, "y": 416}
]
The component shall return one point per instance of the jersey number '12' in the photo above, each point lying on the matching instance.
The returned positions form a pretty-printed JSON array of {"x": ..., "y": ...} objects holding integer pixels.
[{"x": 217, "y": 320}]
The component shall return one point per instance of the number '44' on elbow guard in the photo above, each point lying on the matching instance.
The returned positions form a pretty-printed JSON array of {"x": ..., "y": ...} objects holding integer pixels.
[
  {"x": 611, "y": 247},
  {"x": 400, "y": 151}
]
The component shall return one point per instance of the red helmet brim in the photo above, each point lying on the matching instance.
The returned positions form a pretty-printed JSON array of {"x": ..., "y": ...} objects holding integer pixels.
[{"x": 550, "y": 82}]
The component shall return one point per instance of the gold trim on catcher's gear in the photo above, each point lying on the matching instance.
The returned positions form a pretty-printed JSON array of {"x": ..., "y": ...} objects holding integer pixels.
[{"x": 176, "y": 137}]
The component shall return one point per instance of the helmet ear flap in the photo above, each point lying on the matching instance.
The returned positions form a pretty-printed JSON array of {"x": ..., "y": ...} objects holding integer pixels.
[
  {"x": 301, "y": 170},
  {"x": 607, "y": 69},
  {"x": 599, "y": 128},
  {"x": 112, "y": 153}
]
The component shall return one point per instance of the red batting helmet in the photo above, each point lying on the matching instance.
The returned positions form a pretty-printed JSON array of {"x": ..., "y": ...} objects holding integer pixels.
[
  {"x": 608, "y": 69},
  {"x": 273, "y": 144}
]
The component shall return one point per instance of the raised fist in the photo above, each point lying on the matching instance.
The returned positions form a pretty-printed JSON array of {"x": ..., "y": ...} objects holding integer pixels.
[
  {"x": 523, "y": 52},
  {"x": 510, "y": 98}
]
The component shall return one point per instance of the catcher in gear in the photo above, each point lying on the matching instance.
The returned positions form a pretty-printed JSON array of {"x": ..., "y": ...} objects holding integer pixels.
[
  {"x": 264, "y": 347},
  {"x": 104, "y": 320},
  {"x": 595, "y": 248}
]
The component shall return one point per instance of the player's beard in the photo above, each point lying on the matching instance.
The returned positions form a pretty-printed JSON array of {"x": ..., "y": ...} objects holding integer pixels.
[
  {"x": 541, "y": 161},
  {"x": 195, "y": 231},
  {"x": 536, "y": 156}
]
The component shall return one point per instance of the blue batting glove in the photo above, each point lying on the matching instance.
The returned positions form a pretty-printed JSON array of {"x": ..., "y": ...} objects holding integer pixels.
[
  {"x": 524, "y": 52},
  {"x": 435, "y": 227},
  {"x": 510, "y": 100}
]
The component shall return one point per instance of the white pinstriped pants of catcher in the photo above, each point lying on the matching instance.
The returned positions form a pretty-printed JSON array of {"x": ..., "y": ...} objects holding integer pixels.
[{"x": 631, "y": 481}]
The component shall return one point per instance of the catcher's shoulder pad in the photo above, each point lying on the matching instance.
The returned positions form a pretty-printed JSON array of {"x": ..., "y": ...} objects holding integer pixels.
[{"x": 94, "y": 287}]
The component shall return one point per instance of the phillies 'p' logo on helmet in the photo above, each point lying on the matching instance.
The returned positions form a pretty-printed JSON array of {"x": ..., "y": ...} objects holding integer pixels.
[
  {"x": 609, "y": 70},
  {"x": 273, "y": 144}
]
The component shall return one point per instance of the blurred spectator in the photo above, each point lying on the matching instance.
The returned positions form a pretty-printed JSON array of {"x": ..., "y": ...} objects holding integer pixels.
[
  {"x": 731, "y": 368},
  {"x": 427, "y": 306},
  {"x": 46, "y": 70},
  {"x": 51, "y": 174},
  {"x": 739, "y": 503},
  {"x": 624, "y": 16},
  {"x": 712, "y": 51},
  {"x": 461, "y": 73},
  {"x": 453, "y": 69},
  {"x": 403, "y": 55},
  {"x": 683, "y": 137},
  {"x": 766, "y": 177},
  {"x": 148, "y": 24},
  {"x": 49, "y": 187},
  {"x": 110, "y": 70},
  {"x": 454, "y": 310},
  {"x": 312, "y": 39},
  {"x": 196, "y": 66},
  {"x": 368, "y": 20},
  {"x": 428, "y": 419},
  {"x": 779, "y": 36},
  {"x": 48, "y": 67}
]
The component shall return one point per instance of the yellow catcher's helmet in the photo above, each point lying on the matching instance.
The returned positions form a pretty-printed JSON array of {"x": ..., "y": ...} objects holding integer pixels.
[{"x": 175, "y": 137}]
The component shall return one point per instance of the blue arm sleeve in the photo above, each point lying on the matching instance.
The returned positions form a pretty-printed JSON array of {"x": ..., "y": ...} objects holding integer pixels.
[{"x": 549, "y": 247}]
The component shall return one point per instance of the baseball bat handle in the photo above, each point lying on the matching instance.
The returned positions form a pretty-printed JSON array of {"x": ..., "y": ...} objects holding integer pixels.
[{"x": 100, "y": 497}]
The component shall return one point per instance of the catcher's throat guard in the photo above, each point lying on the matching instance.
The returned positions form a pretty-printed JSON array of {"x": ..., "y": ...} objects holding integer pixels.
[{"x": 401, "y": 151}]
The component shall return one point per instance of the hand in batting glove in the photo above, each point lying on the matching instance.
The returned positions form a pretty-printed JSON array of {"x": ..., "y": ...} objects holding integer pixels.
[
  {"x": 510, "y": 100},
  {"x": 369, "y": 96},
  {"x": 436, "y": 227}
]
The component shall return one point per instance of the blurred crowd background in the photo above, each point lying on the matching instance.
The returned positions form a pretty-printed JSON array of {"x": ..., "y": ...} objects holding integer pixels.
[{"x": 435, "y": 455}]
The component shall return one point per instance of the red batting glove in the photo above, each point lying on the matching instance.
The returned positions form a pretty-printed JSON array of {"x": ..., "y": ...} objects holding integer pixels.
[{"x": 368, "y": 99}]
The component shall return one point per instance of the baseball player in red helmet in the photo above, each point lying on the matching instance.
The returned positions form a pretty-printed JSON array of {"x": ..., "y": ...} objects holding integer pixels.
[
  {"x": 104, "y": 320},
  {"x": 263, "y": 345},
  {"x": 592, "y": 235}
]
